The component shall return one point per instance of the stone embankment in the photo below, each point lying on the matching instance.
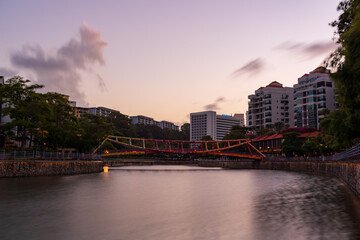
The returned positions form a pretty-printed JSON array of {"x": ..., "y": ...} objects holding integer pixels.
[
  {"x": 146, "y": 162},
  {"x": 45, "y": 168},
  {"x": 349, "y": 173}
]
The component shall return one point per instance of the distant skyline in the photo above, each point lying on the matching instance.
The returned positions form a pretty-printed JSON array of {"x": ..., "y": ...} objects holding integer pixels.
[{"x": 164, "y": 59}]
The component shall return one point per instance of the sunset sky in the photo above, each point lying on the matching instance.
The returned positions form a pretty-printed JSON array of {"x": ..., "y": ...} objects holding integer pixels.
[{"x": 161, "y": 58}]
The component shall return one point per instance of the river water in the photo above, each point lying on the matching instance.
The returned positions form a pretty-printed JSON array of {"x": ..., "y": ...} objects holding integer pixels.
[{"x": 178, "y": 202}]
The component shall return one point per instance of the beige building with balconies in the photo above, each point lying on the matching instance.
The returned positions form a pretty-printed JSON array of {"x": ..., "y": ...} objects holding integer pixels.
[
  {"x": 313, "y": 93},
  {"x": 271, "y": 104}
]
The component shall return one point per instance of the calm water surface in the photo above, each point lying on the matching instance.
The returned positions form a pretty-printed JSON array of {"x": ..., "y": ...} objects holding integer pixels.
[{"x": 178, "y": 202}]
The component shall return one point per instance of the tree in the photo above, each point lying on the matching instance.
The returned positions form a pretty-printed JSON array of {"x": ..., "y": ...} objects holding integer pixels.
[
  {"x": 292, "y": 144},
  {"x": 236, "y": 132},
  {"x": 335, "y": 133},
  {"x": 26, "y": 108},
  {"x": 92, "y": 130},
  {"x": 185, "y": 131},
  {"x": 62, "y": 124},
  {"x": 206, "y": 138},
  {"x": 122, "y": 124},
  {"x": 346, "y": 60},
  {"x": 325, "y": 112},
  {"x": 278, "y": 127},
  {"x": 311, "y": 147}
]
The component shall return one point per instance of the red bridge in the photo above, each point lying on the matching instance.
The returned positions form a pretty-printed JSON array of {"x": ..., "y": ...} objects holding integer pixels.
[{"x": 241, "y": 148}]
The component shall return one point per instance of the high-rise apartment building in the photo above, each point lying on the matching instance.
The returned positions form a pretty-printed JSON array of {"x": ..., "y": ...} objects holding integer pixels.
[
  {"x": 140, "y": 119},
  {"x": 79, "y": 112},
  {"x": 101, "y": 111},
  {"x": 169, "y": 125},
  {"x": 313, "y": 93},
  {"x": 241, "y": 117},
  {"x": 211, "y": 124},
  {"x": 271, "y": 104}
]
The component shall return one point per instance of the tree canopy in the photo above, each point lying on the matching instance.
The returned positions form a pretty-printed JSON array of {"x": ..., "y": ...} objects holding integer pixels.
[
  {"x": 48, "y": 121},
  {"x": 344, "y": 124}
]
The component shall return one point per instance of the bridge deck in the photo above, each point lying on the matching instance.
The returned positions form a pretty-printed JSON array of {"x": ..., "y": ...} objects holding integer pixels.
[{"x": 138, "y": 146}]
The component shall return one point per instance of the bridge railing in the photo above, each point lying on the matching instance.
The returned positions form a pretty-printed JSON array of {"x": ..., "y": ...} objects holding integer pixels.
[
  {"x": 6, "y": 155},
  {"x": 349, "y": 153}
]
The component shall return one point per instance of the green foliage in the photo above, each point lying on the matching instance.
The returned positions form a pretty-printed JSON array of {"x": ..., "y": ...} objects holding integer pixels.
[
  {"x": 122, "y": 125},
  {"x": 185, "y": 131},
  {"x": 236, "y": 132},
  {"x": 62, "y": 125},
  {"x": 311, "y": 147},
  {"x": 24, "y": 106},
  {"x": 344, "y": 123},
  {"x": 277, "y": 127},
  {"x": 93, "y": 130},
  {"x": 292, "y": 144},
  {"x": 206, "y": 138},
  {"x": 47, "y": 121},
  {"x": 107, "y": 146}
]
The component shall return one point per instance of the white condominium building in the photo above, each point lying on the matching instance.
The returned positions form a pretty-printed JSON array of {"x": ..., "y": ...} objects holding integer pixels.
[
  {"x": 211, "y": 124},
  {"x": 271, "y": 104},
  {"x": 169, "y": 125},
  {"x": 241, "y": 117},
  {"x": 101, "y": 111},
  {"x": 140, "y": 119},
  {"x": 313, "y": 93}
]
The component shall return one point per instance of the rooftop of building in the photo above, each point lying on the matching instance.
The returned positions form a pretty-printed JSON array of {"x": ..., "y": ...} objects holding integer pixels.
[
  {"x": 304, "y": 133},
  {"x": 273, "y": 84},
  {"x": 105, "y": 108},
  {"x": 141, "y": 116},
  {"x": 321, "y": 70}
]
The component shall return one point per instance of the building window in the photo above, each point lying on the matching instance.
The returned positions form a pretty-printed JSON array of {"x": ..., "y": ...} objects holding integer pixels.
[
  {"x": 268, "y": 96},
  {"x": 321, "y": 98},
  {"x": 311, "y": 92},
  {"x": 321, "y": 84},
  {"x": 321, "y": 91},
  {"x": 321, "y": 105}
]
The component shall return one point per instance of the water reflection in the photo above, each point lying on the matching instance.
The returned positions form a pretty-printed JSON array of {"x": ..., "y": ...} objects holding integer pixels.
[
  {"x": 175, "y": 202},
  {"x": 316, "y": 207}
]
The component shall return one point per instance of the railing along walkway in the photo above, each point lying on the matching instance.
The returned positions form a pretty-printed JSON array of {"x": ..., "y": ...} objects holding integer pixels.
[{"x": 6, "y": 155}]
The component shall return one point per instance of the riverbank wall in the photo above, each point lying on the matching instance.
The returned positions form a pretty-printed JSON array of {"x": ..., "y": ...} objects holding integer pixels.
[
  {"x": 349, "y": 173},
  {"x": 146, "y": 162},
  {"x": 46, "y": 168}
]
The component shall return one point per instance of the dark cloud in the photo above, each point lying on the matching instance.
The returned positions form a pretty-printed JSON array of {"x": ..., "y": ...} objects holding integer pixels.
[
  {"x": 7, "y": 72},
  {"x": 60, "y": 71},
  {"x": 220, "y": 99},
  {"x": 214, "y": 106},
  {"x": 309, "y": 49},
  {"x": 251, "y": 68}
]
